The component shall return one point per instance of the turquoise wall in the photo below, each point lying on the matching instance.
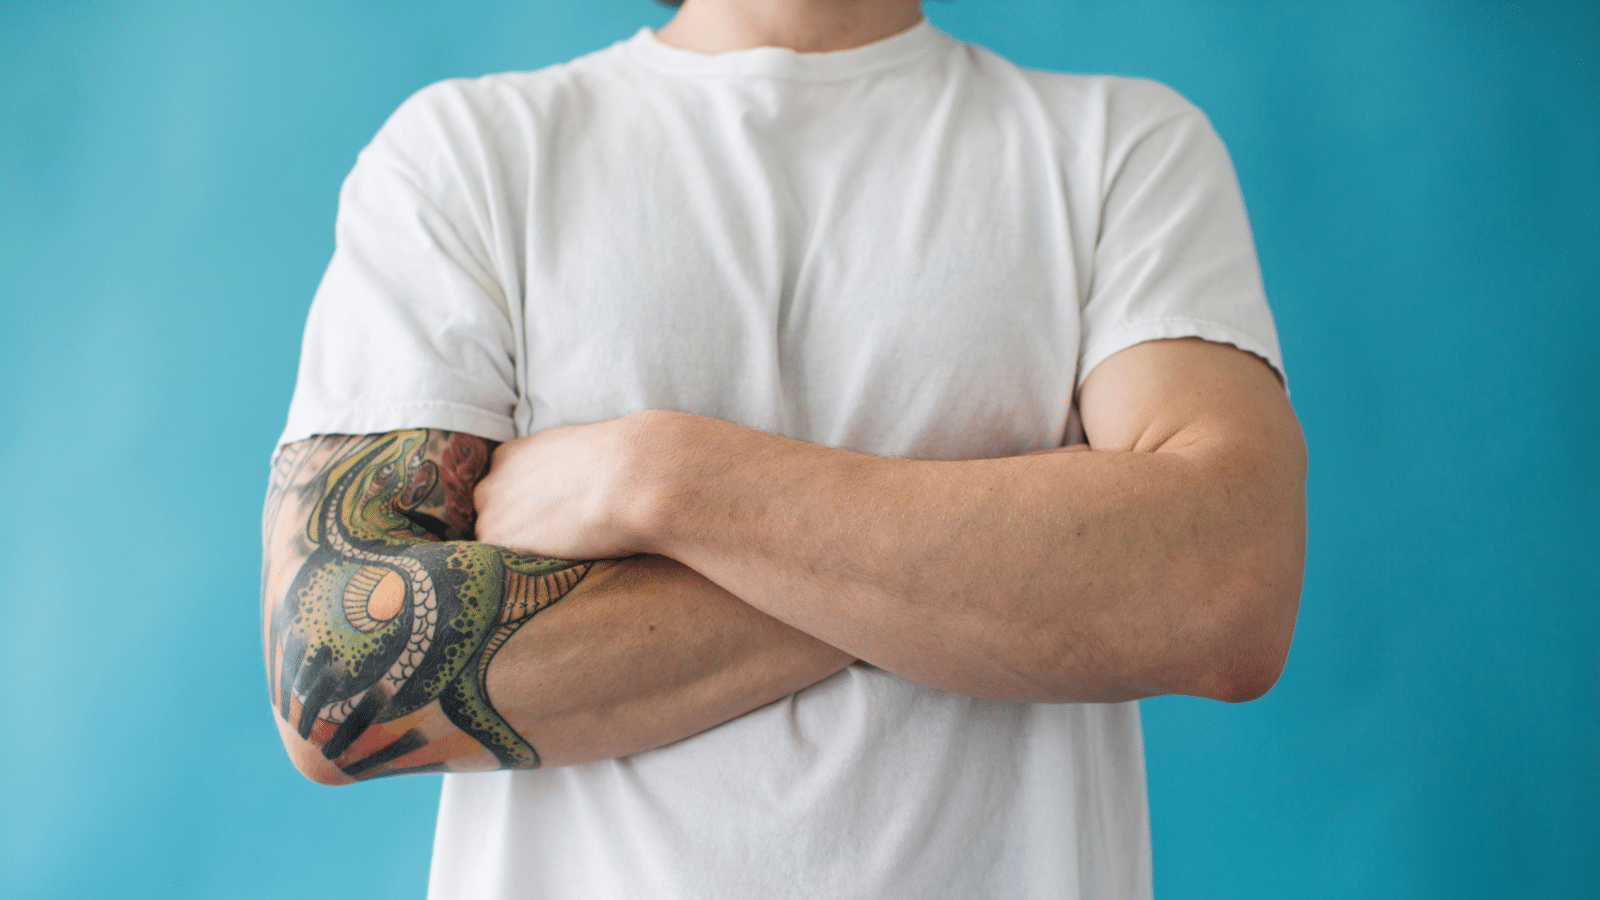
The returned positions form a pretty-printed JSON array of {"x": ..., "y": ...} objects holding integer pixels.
[{"x": 1424, "y": 180}]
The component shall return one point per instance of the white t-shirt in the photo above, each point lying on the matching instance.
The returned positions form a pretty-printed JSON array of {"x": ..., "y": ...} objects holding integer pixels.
[{"x": 912, "y": 248}]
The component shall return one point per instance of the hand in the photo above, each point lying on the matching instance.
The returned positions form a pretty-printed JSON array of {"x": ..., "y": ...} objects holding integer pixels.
[{"x": 559, "y": 492}]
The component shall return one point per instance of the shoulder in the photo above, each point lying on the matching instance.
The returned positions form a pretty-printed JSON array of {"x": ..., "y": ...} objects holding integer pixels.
[
  {"x": 495, "y": 114},
  {"x": 1123, "y": 104},
  {"x": 1102, "y": 115},
  {"x": 1075, "y": 99}
]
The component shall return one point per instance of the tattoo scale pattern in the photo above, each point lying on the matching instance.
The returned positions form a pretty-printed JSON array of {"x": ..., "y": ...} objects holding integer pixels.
[{"x": 383, "y": 619}]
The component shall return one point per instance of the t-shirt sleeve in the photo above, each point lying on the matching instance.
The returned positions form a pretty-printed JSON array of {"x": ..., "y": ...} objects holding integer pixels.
[
  {"x": 409, "y": 327},
  {"x": 1174, "y": 257}
]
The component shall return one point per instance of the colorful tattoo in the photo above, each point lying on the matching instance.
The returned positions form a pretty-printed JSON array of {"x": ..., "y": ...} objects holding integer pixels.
[{"x": 394, "y": 608}]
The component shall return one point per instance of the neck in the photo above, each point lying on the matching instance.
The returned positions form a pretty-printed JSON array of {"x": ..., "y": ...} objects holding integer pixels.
[{"x": 805, "y": 26}]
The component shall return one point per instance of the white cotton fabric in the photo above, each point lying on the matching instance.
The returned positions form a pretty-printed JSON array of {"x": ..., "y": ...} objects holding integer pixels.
[{"x": 912, "y": 248}]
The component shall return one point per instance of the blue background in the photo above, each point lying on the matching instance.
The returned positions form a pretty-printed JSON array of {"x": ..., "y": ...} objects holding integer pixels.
[{"x": 1424, "y": 180}]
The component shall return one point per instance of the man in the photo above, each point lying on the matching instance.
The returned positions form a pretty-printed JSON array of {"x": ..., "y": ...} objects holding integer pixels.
[{"x": 796, "y": 574}]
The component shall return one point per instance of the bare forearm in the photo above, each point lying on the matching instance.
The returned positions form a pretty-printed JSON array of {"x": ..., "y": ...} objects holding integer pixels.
[
  {"x": 1165, "y": 560},
  {"x": 648, "y": 654},
  {"x": 1168, "y": 560},
  {"x": 975, "y": 576}
]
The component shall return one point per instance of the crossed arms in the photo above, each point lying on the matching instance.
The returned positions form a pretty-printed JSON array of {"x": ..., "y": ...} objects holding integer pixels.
[{"x": 1167, "y": 559}]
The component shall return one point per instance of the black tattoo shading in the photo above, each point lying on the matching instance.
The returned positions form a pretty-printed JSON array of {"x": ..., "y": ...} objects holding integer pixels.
[{"x": 384, "y": 618}]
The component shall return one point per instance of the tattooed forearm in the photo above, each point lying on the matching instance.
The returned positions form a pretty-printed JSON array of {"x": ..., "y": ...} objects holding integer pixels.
[{"x": 380, "y": 611}]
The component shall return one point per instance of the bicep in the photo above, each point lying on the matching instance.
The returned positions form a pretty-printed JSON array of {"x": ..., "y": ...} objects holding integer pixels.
[
  {"x": 1202, "y": 399},
  {"x": 297, "y": 482},
  {"x": 431, "y": 492}
]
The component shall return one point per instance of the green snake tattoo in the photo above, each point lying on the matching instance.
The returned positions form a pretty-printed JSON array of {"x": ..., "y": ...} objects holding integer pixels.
[{"x": 383, "y": 618}]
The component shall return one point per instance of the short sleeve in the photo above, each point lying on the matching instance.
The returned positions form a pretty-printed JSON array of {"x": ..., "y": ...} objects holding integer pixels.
[
  {"x": 409, "y": 328},
  {"x": 1174, "y": 257}
]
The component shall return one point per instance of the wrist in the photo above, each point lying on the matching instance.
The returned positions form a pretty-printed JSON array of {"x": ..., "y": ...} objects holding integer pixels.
[{"x": 644, "y": 483}]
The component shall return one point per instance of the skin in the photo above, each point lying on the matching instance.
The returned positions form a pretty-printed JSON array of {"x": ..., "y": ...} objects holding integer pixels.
[
  {"x": 531, "y": 660},
  {"x": 379, "y": 623},
  {"x": 1166, "y": 559},
  {"x": 805, "y": 26}
]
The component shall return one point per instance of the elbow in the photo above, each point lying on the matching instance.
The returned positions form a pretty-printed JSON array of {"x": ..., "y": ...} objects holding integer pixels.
[
  {"x": 308, "y": 759},
  {"x": 320, "y": 771},
  {"x": 1247, "y": 638},
  {"x": 1245, "y": 676},
  {"x": 1245, "y": 625},
  {"x": 1232, "y": 648},
  {"x": 1249, "y": 618}
]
